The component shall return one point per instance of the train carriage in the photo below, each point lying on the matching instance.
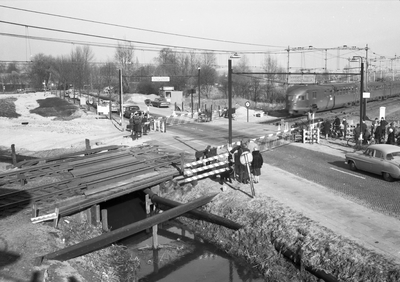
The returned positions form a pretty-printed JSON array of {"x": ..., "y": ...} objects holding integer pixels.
[{"x": 301, "y": 99}]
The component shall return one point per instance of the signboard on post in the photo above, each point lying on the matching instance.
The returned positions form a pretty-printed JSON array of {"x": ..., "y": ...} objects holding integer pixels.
[
  {"x": 159, "y": 78},
  {"x": 301, "y": 79}
]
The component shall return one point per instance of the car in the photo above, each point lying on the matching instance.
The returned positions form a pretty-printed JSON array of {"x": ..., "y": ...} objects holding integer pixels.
[
  {"x": 30, "y": 90},
  {"x": 381, "y": 159},
  {"x": 160, "y": 102},
  {"x": 114, "y": 107},
  {"x": 128, "y": 110}
]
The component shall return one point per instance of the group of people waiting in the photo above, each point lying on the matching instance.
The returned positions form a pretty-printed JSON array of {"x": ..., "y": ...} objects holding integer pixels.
[
  {"x": 240, "y": 171},
  {"x": 237, "y": 170},
  {"x": 338, "y": 128},
  {"x": 380, "y": 131},
  {"x": 140, "y": 123}
]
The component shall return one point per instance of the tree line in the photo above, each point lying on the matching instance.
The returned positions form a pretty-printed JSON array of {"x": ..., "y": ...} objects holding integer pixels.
[{"x": 187, "y": 71}]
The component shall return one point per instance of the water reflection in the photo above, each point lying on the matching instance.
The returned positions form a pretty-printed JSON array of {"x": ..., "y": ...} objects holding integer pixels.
[{"x": 182, "y": 256}]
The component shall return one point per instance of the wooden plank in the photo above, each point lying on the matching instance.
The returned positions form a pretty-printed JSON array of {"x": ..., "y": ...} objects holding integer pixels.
[
  {"x": 66, "y": 156},
  {"x": 209, "y": 217},
  {"x": 106, "y": 239}
]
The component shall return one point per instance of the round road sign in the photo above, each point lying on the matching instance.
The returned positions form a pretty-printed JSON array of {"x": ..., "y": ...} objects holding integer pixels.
[
  {"x": 247, "y": 104},
  {"x": 246, "y": 158}
]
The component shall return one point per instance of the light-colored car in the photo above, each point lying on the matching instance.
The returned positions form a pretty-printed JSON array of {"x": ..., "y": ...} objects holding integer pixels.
[
  {"x": 381, "y": 159},
  {"x": 160, "y": 102}
]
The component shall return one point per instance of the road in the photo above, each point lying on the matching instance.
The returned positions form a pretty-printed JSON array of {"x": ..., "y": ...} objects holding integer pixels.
[
  {"x": 367, "y": 189},
  {"x": 325, "y": 169}
]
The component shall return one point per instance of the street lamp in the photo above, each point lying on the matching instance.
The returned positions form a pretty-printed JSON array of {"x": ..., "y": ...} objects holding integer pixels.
[
  {"x": 230, "y": 71},
  {"x": 198, "y": 84},
  {"x": 362, "y": 113}
]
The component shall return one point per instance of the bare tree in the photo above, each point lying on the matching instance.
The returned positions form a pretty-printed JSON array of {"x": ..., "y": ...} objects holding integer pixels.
[
  {"x": 81, "y": 59},
  {"x": 208, "y": 73},
  {"x": 124, "y": 56}
]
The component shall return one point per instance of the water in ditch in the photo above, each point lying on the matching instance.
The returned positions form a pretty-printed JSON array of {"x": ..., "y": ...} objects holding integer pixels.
[{"x": 184, "y": 257}]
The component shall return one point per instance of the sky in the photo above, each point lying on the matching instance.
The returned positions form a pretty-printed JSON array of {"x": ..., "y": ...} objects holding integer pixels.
[{"x": 250, "y": 28}]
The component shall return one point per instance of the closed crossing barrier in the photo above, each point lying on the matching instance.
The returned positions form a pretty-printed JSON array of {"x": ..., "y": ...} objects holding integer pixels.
[{"x": 192, "y": 170}]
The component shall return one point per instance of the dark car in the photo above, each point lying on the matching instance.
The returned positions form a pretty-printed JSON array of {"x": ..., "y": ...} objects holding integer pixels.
[
  {"x": 128, "y": 110},
  {"x": 160, "y": 102}
]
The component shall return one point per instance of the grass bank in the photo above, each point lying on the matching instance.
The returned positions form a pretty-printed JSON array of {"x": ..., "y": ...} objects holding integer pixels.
[{"x": 271, "y": 229}]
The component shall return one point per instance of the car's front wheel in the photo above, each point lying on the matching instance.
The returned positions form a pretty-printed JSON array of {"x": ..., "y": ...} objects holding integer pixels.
[
  {"x": 387, "y": 176},
  {"x": 352, "y": 166}
]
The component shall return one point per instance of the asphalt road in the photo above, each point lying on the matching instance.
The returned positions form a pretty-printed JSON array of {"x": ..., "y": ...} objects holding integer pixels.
[{"x": 367, "y": 189}]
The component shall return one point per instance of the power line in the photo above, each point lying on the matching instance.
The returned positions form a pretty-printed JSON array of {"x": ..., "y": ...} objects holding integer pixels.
[{"x": 141, "y": 29}]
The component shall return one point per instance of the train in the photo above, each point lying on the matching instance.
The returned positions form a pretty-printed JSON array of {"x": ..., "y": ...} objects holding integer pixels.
[{"x": 302, "y": 99}]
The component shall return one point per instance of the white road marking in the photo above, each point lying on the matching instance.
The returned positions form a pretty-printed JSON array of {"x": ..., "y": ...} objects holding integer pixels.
[{"x": 345, "y": 172}]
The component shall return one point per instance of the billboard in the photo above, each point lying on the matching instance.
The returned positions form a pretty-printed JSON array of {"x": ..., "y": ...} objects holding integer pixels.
[{"x": 302, "y": 79}]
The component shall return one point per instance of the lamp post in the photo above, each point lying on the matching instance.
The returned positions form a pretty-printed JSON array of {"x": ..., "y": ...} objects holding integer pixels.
[
  {"x": 198, "y": 84},
  {"x": 362, "y": 113},
  {"x": 230, "y": 71},
  {"x": 229, "y": 101}
]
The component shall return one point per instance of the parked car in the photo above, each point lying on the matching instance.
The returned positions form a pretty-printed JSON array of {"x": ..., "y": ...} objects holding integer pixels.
[
  {"x": 114, "y": 107},
  {"x": 382, "y": 159},
  {"x": 128, "y": 110},
  {"x": 30, "y": 90},
  {"x": 160, "y": 102}
]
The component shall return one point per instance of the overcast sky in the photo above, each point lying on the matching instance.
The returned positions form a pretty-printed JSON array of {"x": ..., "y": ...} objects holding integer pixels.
[{"x": 244, "y": 26}]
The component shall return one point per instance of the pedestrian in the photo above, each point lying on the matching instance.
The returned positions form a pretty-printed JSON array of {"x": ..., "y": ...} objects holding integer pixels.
[
  {"x": 345, "y": 126},
  {"x": 374, "y": 125},
  {"x": 251, "y": 145},
  {"x": 384, "y": 123},
  {"x": 336, "y": 125},
  {"x": 327, "y": 128},
  {"x": 378, "y": 134},
  {"x": 131, "y": 122},
  {"x": 357, "y": 134},
  {"x": 137, "y": 125},
  {"x": 391, "y": 137},
  {"x": 256, "y": 164}
]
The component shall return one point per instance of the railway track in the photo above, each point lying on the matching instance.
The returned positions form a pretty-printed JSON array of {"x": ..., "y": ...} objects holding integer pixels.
[{"x": 86, "y": 173}]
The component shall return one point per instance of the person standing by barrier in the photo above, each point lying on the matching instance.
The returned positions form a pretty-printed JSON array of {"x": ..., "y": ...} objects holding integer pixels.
[
  {"x": 336, "y": 125},
  {"x": 345, "y": 126},
  {"x": 256, "y": 164},
  {"x": 131, "y": 124},
  {"x": 391, "y": 137}
]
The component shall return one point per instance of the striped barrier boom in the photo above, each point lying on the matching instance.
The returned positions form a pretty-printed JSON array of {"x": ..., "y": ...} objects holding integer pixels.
[
  {"x": 213, "y": 165},
  {"x": 217, "y": 171},
  {"x": 259, "y": 138},
  {"x": 225, "y": 155}
]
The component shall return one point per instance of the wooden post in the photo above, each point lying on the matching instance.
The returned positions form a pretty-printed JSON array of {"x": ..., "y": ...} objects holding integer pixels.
[
  {"x": 155, "y": 235},
  {"x": 182, "y": 162},
  {"x": 13, "y": 155},
  {"x": 104, "y": 219},
  {"x": 147, "y": 204},
  {"x": 34, "y": 210},
  {"x": 98, "y": 214},
  {"x": 57, "y": 211},
  {"x": 211, "y": 113}
]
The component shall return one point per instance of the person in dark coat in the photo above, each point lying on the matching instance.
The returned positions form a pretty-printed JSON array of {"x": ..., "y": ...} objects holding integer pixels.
[
  {"x": 256, "y": 164},
  {"x": 378, "y": 134},
  {"x": 391, "y": 137},
  {"x": 336, "y": 124},
  {"x": 327, "y": 128}
]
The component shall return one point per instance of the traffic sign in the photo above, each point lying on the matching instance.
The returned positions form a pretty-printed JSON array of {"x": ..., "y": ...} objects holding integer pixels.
[
  {"x": 247, "y": 104},
  {"x": 246, "y": 158}
]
